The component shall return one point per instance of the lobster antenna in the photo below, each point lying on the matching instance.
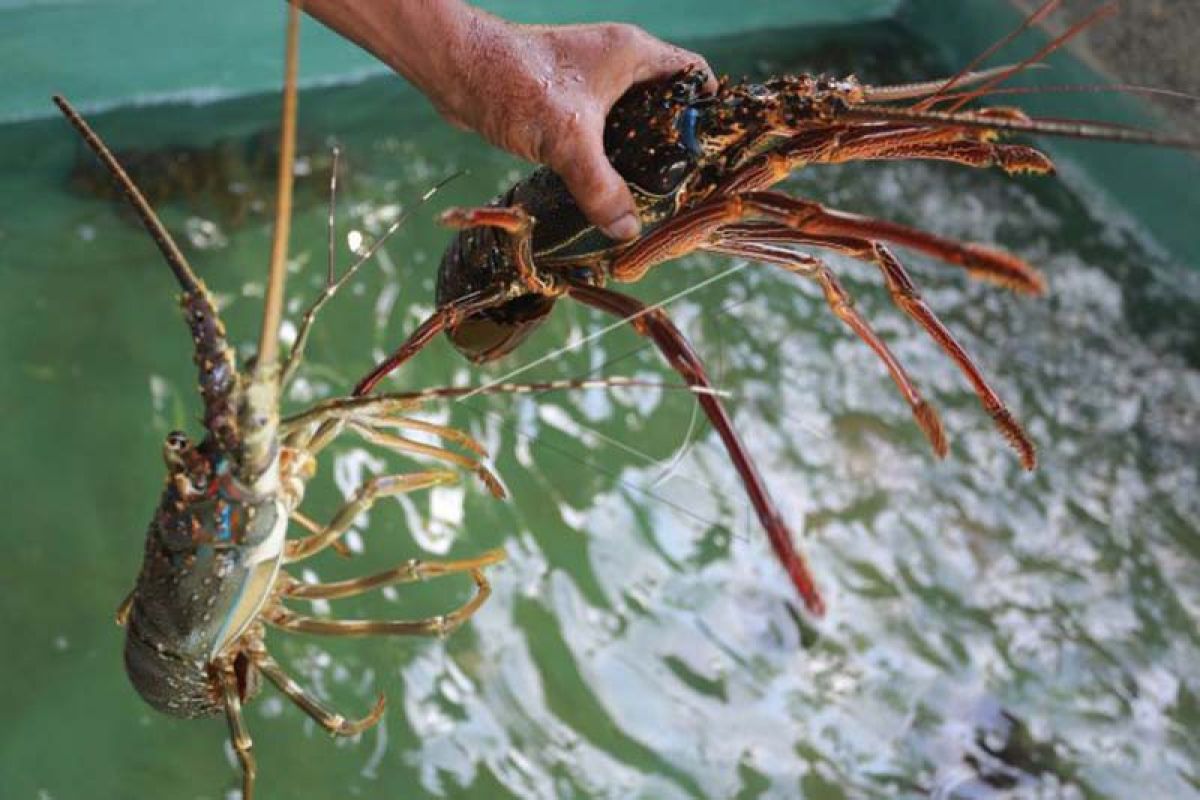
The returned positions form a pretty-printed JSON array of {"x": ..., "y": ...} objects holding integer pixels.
[
  {"x": 1084, "y": 88},
  {"x": 268, "y": 341},
  {"x": 926, "y": 89},
  {"x": 1029, "y": 22},
  {"x": 1068, "y": 128},
  {"x": 1106, "y": 10},
  {"x": 334, "y": 284},
  {"x": 348, "y": 404},
  {"x": 187, "y": 278}
]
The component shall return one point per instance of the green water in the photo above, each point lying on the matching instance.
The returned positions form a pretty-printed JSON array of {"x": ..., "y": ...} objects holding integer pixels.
[{"x": 641, "y": 641}]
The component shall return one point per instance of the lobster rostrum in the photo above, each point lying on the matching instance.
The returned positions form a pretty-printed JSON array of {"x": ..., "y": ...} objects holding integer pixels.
[
  {"x": 700, "y": 168},
  {"x": 213, "y": 577}
]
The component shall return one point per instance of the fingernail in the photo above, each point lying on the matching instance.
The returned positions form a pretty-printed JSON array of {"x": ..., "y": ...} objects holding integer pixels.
[{"x": 623, "y": 227}]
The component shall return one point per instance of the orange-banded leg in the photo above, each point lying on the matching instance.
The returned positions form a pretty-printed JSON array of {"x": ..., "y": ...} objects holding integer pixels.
[
  {"x": 517, "y": 223},
  {"x": 513, "y": 221},
  {"x": 694, "y": 227},
  {"x": 907, "y": 297},
  {"x": 239, "y": 735},
  {"x": 364, "y": 498},
  {"x": 842, "y": 304},
  {"x": 655, "y": 324},
  {"x": 441, "y": 625},
  {"x": 969, "y": 147},
  {"x": 444, "y": 318},
  {"x": 1015, "y": 159},
  {"x": 331, "y": 721},
  {"x": 878, "y": 141}
]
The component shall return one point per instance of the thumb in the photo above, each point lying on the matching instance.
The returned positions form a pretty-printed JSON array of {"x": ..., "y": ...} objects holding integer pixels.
[{"x": 598, "y": 189}]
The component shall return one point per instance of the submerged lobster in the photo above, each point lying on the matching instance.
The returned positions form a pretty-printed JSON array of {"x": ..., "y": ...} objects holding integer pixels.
[
  {"x": 700, "y": 168},
  {"x": 212, "y": 577}
]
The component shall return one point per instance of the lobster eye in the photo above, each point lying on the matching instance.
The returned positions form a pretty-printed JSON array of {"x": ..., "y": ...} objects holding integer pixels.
[{"x": 174, "y": 448}]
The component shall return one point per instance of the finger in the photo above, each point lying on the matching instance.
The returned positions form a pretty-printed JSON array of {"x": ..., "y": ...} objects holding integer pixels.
[
  {"x": 598, "y": 189},
  {"x": 657, "y": 59},
  {"x": 685, "y": 60}
]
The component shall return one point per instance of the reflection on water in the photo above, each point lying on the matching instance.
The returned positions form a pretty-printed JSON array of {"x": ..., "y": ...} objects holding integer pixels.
[
  {"x": 229, "y": 179},
  {"x": 990, "y": 631}
]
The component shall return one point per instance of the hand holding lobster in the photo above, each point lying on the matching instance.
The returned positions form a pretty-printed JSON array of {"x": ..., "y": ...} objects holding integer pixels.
[{"x": 540, "y": 92}]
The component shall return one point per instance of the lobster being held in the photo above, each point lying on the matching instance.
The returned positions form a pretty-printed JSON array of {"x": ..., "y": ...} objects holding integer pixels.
[{"x": 700, "y": 168}]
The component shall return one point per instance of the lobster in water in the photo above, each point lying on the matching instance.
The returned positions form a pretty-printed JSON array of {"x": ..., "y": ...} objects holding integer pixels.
[
  {"x": 700, "y": 168},
  {"x": 212, "y": 577}
]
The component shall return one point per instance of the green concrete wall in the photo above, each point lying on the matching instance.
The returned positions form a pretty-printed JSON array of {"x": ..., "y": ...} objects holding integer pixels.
[
  {"x": 1160, "y": 187},
  {"x": 104, "y": 53},
  {"x": 112, "y": 52}
]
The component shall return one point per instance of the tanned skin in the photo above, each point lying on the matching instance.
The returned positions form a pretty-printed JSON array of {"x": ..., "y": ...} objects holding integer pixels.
[{"x": 539, "y": 92}]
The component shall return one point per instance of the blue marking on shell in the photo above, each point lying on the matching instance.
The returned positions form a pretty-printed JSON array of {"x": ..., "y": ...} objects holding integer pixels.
[
  {"x": 686, "y": 126},
  {"x": 225, "y": 523}
]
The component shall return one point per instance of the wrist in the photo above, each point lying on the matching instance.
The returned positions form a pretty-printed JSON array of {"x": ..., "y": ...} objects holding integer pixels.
[{"x": 429, "y": 42}]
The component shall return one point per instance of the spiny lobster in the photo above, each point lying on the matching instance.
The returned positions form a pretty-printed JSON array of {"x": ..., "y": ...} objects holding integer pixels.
[{"x": 700, "y": 168}]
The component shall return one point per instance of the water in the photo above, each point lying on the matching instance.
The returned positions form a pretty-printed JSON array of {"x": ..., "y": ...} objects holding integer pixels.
[{"x": 989, "y": 631}]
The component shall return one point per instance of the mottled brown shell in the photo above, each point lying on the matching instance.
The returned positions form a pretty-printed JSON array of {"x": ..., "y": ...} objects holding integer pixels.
[{"x": 195, "y": 575}]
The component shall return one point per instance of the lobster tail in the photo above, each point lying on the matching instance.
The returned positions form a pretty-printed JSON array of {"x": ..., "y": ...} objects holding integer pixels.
[{"x": 218, "y": 370}]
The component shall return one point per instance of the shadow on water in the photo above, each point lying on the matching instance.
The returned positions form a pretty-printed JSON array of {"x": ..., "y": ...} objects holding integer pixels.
[{"x": 992, "y": 634}]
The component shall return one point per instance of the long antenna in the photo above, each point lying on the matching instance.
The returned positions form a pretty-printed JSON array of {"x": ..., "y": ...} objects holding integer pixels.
[
  {"x": 1106, "y": 10},
  {"x": 268, "y": 340},
  {"x": 1099, "y": 131},
  {"x": 1026, "y": 24},
  {"x": 175, "y": 258}
]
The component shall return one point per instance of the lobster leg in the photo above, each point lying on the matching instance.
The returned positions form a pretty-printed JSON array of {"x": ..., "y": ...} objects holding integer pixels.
[
  {"x": 907, "y": 297},
  {"x": 313, "y": 527},
  {"x": 1012, "y": 158},
  {"x": 842, "y": 304},
  {"x": 874, "y": 141},
  {"x": 441, "y": 431},
  {"x": 516, "y": 222},
  {"x": 238, "y": 733},
  {"x": 655, "y": 324},
  {"x": 434, "y": 626},
  {"x": 329, "y": 720},
  {"x": 364, "y": 498},
  {"x": 979, "y": 261},
  {"x": 694, "y": 227},
  {"x": 400, "y": 444},
  {"x": 448, "y": 316},
  {"x": 125, "y": 609},
  {"x": 408, "y": 572}
]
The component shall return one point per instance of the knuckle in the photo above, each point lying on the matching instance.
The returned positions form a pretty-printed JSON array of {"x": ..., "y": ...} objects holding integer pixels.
[{"x": 622, "y": 34}]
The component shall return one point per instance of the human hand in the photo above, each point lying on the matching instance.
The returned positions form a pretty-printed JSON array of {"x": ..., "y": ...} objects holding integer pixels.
[
  {"x": 539, "y": 92},
  {"x": 542, "y": 93}
]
